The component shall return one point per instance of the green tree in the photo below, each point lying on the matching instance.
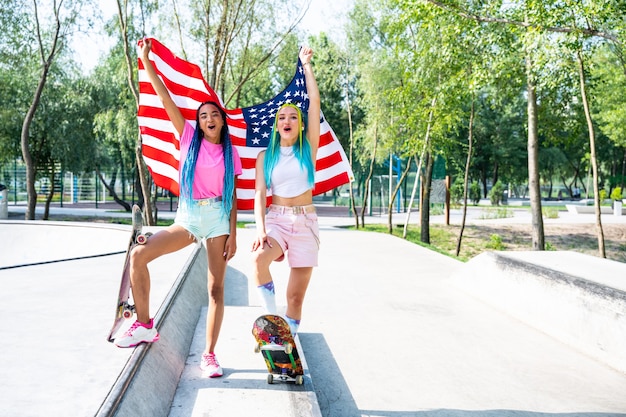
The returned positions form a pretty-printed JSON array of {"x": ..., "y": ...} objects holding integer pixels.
[{"x": 41, "y": 30}]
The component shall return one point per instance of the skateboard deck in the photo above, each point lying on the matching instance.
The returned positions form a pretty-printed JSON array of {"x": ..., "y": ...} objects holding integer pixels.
[
  {"x": 275, "y": 342},
  {"x": 123, "y": 309}
]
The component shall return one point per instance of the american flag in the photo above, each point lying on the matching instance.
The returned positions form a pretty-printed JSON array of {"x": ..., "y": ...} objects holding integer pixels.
[{"x": 249, "y": 126}]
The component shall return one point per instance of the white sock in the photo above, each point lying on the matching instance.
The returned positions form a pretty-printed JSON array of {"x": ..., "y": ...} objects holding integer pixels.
[
  {"x": 268, "y": 297},
  {"x": 293, "y": 325}
]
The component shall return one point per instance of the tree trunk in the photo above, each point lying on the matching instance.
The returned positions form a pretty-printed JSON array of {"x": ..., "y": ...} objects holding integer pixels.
[
  {"x": 369, "y": 175},
  {"x": 31, "y": 170},
  {"x": 141, "y": 167},
  {"x": 351, "y": 152},
  {"x": 425, "y": 211},
  {"x": 419, "y": 168},
  {"x": 395, "y": 193},
  {"x": 534, "y": 188},
  {"x": 466, "y": 177},
  {"x": 144, "y": 180},
  {"x": 592, "y": 148},
  {"x": 112, "y": 192},
  {"x": 50, "y": 195}
]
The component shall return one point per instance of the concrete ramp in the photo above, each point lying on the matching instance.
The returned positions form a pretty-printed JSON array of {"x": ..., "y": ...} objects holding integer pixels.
[
  {"x": 578, "y": 299},
  {"x": 149, "y": 380}
]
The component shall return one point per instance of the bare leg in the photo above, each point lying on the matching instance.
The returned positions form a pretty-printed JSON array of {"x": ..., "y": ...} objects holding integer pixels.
[
  {"x": 215, "y": 287},
  {"x": 262, "y": 258},
  {"x": 165, "y": 241},
  {"x": 299, "y": 279}
]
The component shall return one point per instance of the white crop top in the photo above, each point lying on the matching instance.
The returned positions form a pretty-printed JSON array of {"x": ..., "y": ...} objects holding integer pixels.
[{"x": 289, "y": 179}]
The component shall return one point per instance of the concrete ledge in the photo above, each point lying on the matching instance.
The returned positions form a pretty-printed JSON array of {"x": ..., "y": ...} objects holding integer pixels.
[
  {"x": 243, "y": 390},
  {"x": 578, "y": 209},
  {"x": 148, "y": 382},
  {"x": 576, "y": 298}
]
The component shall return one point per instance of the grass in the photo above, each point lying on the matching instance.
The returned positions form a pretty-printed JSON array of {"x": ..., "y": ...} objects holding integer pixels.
[
  {"x": 514, "y": 237},
  {"x": 496, "y": 213},
  {"x": 442, "y": 240}
]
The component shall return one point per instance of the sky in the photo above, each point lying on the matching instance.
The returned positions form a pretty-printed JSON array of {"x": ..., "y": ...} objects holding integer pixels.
[{"x": 322, "y": 16}]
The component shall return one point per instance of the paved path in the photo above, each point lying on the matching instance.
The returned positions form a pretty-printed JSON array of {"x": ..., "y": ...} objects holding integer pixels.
[{"x": 385, "y": 331}]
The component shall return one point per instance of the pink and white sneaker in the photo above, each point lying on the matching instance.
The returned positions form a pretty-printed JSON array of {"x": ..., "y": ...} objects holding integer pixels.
[
  {"x": 210, "y": 365},
  {"x": 138, "y": 333}
]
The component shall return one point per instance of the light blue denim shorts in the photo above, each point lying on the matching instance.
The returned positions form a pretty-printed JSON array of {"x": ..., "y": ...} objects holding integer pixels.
[{"x": 203, "y": 218}]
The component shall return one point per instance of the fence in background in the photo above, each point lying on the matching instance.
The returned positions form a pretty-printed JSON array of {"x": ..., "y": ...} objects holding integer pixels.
[{"x": 70, "y": 188}]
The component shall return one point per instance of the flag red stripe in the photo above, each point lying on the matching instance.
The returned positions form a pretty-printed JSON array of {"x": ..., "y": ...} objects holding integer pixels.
[
  {"x": 326, "y": 139},
  {"x": 164, "y": 136},
  {"x": 245, "y": 183},
  {"x": 159, "y": 155},
  {"x": 248, "y": 163},
  {"x": 329, "y": 184},
  {"x": 178, "y": 90},
  {"x": 179, "y": 65},
  {"x": 167, "y": 182},
  {"x": 328, "y": 161},
  {"x": 160, "y": 113}
]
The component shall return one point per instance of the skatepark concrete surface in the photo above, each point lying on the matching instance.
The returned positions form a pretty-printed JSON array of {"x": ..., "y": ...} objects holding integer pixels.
[{"x": 389, "y": 329}]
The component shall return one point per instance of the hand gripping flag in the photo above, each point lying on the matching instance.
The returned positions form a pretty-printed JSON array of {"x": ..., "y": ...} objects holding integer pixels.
[{"x": 249, "y": 127}]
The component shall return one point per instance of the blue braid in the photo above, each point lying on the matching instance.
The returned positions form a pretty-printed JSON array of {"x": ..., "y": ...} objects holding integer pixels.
[
  {"x": 189, "y": 166},
  {"x": 271, "y": 154},
  {"x": 229, "y": 173}
]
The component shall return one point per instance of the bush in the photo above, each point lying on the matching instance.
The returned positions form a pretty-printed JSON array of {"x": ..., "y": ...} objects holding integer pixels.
[
  {"x": 456, "y": 191},
  {"x": 495, "y": 242},
  {"x": 616, "y": 194},
  {"x": 474, "y": 192},
  {"x": 495, "y": 194},
  {"x": 550, "y": 212}
]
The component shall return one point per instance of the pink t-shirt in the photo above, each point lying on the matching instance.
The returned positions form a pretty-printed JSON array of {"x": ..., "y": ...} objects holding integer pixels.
[{"x": 209, "y": 175}]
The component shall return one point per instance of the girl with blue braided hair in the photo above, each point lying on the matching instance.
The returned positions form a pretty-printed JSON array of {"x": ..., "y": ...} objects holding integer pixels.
[
  {"x": 289, "y": 225},
  {"x": 209, "y": 165}
]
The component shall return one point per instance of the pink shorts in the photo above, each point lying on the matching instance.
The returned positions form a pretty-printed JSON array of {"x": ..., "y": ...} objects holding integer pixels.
[{"x": 297, "y": 232}]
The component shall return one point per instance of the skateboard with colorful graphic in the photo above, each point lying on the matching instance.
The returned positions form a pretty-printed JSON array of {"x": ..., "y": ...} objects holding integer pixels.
[
  {"x": 275, "y": 342},
  {"x": 123, "y": 309}
]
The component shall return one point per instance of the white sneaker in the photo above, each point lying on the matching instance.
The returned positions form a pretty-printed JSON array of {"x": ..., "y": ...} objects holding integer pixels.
[
  {"x": 210, "y": 365},
  {"x": 136, "y": 334}
]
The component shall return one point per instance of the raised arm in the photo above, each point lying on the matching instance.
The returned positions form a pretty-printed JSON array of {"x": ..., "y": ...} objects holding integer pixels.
[
  {"x": 313, "y": 130},
  {"x": 172, "y": 110}
]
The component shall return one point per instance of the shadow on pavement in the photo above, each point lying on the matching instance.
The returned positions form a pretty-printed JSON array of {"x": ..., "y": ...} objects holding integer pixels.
[{"x": 335, "y": 399}]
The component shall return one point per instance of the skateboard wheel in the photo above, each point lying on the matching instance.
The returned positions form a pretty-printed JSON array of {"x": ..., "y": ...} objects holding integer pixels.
[
  {"x": 270, "y": 378},
  {"x": 127, "y": 314},
  {"x": 257, "y": 348},
  {"x": 288, "y": 348},
  {"x": 299, "y": 380},
  {"x": 142, "y": 239}
]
